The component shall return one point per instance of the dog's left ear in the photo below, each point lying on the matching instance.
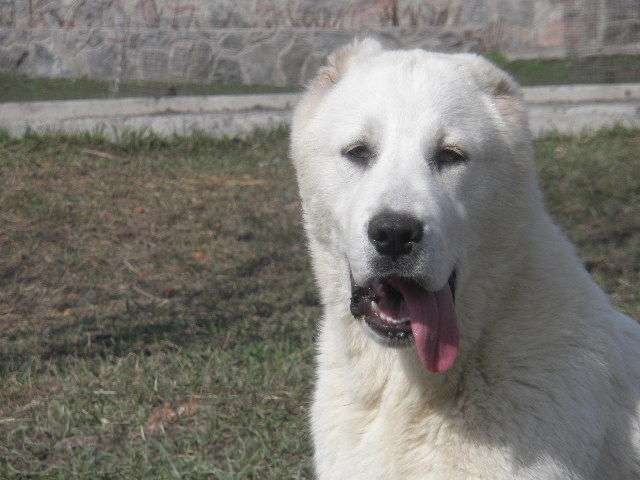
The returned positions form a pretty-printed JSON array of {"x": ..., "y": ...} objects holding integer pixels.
[
  {"x": 491, "y": 79},
  {"x": 501, "y": 90}
]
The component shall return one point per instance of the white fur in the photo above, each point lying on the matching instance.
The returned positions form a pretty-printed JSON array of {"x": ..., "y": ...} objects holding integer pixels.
[{"x": 547, "y": 381}]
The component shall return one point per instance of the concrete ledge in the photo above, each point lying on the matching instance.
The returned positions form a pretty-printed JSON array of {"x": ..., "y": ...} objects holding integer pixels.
[
  {"x": 566, "y": 109},
  {"x": 238, "y": 123},
  {"x": 130, "y": 107},
  {"x": 574, "y": 119},
  {"x": 621, "y": 92}
]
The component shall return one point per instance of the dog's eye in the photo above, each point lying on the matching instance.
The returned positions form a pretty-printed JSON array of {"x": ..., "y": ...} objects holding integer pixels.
[
  {"x": 360, "y": 153},
  {"x": 450, "y": 155}
]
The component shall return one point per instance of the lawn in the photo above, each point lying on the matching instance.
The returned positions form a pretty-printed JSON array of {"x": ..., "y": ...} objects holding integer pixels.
[
  {"x": 572, "y": 70},
  {"x": 20, "y": 88},
  {"x": 157, "y": 310}
]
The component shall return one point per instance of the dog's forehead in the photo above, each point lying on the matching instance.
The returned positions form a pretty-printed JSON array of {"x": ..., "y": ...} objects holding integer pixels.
[
  {"x": 409, "y": 66},
  {"x": 407, "y": 87}
]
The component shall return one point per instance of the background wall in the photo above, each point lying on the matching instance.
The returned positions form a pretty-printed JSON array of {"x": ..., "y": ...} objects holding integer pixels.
[{"x": 283, "y": 42}]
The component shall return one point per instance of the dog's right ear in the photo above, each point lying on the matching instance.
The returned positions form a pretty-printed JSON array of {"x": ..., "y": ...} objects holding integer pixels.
[
  {"x": 329, "y": 74},
  {"x": 340, "y": 61}
]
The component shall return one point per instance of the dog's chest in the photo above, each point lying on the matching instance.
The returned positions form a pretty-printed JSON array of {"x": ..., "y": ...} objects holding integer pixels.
[{"x": 389, "y": 442}]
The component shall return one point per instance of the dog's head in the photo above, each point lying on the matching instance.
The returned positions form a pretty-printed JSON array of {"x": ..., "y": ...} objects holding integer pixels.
[{"x": 410, "y": 165}]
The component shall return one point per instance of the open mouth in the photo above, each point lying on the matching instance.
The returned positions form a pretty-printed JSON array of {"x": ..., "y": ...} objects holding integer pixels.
[{"x": 401, "y": 311}]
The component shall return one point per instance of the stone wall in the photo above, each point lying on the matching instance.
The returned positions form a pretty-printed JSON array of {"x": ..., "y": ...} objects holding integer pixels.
[{"x": 282, "y": 42}]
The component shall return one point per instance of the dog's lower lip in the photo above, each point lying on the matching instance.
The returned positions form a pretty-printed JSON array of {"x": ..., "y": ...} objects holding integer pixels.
[{"x": 398, "y": 332}]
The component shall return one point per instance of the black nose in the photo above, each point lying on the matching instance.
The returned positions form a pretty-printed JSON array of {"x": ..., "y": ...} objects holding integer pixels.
[{"x": 394, "y": 234}]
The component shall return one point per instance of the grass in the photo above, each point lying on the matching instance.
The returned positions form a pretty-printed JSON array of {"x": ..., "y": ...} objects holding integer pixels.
[
  {"x": 19, "y": 88},
  {"x": 578, "y": 70},
  {"x": 596, "y": 69},
  {"x": 157, "y": 310}
]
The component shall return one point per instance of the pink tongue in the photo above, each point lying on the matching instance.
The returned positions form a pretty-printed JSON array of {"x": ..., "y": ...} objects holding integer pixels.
[{"x": 433, "y": 323}]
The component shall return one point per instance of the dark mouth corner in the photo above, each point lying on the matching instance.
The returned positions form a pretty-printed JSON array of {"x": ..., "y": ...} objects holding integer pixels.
[{"x": 452, "y": 284}]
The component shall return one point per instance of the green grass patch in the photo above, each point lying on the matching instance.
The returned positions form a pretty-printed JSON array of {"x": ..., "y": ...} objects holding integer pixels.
[
  {"x": 572, "y": 70},
  {"x": 157, "y": 309},
  {"x": 19, "y": 88}
]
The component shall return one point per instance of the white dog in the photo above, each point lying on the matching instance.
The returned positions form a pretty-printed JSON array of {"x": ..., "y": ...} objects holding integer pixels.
[{"x": 461, "y": 337}]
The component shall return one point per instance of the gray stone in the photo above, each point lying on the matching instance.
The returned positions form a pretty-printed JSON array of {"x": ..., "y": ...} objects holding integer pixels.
[
  {"x": 227, "y": 72},
  {"x": 624, "y": 22},
  {"x": 258, "y": 36},
  {"x": 7, "y": 13},
  {"x": 155, "y": 38},
  {"x": 180, "y": 57},
  {"x": 475, "y": 11},
  {"x": 154, "y": 64},
  {"x": 450, "y": 40},
  {"x": 412, "y": 14},
  {"x": 518, "y": 13},
  {"x": 200, "y": 62},
  {"x": 227, "y": 15},
  {"x": 393, "y": 39},
  {"x": 233, "y": 42},
  {"x": 258, "y": 64},
  {"x": 102, "y": 62},
  {"x": 293, "y": 59},
  {"x": 185, "y": 16},
  {"x": 12, "y": 58},
  {"x": 42, "y": 60},
  {"x": 622, "y": 10},
  {"x": 622, "y": 33},
  {"x": 310, "y": 69},
  {"x": 96, "y": 39},
  {"x": 325, "y": 42}
]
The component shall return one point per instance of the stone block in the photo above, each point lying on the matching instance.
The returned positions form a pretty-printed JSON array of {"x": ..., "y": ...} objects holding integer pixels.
[
  {"x": 199, "y": 62},
  {"x": 258, "y": 64},
  {"x": 154, "y": 64},
  {"x": 227, "y": 71},
  {"x": 310, "y": 68},
  {"x": 520, "y": 13},
  {"x": 41, "y": 60},
  {"x": 325, "y": 42},
  {"x": 102, "y": 62},
  {"x": 475, "y": 12},
  {"x": 12, "y": 58},
  {"x": 229, "y": 14},
  {"x": 180, "y": 56},
  {"x": 412, "y": 14},
  {"x": 233, "y": 42},
  {"x": 548, "y": 25},
  {"x": 293, "y": 59},
  {"x": 7, "y": 14}
]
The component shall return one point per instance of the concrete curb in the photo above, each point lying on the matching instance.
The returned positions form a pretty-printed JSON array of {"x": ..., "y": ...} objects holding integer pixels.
[
  {"x": 566, "y": 109},
  {"x": 622, "y": 92},
  {"x": 141, "y": 106},
  {"x": 575, "y": 119}
]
